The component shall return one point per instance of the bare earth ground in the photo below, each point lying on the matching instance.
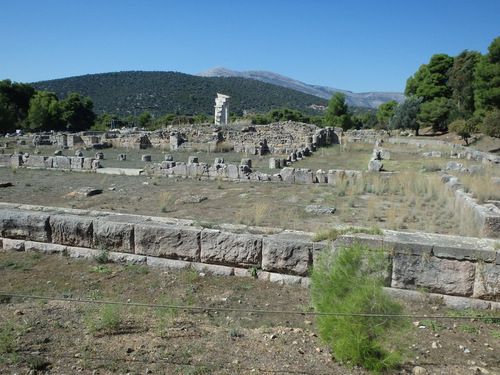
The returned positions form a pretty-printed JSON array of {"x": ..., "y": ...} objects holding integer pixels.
[{"x": 65, "y": 337}]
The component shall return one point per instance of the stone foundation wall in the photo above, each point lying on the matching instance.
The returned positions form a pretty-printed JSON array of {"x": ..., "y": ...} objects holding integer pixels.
[
  {"x": 447, "y": 265},
  {"x": 44, "y": 162}
]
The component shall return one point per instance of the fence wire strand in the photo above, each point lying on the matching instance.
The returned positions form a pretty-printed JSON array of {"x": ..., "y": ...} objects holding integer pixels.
[{"x": 230, "y": 309}]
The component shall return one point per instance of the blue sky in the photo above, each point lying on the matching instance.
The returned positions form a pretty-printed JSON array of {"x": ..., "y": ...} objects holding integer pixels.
[{"x": 353, "y": 45}]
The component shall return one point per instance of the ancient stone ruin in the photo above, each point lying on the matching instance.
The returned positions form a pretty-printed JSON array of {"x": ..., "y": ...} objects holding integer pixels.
[{"x": 221, "y": 109}]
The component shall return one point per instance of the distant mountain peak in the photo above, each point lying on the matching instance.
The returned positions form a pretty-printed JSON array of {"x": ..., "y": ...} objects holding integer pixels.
[{"x": 367, "y": 100}]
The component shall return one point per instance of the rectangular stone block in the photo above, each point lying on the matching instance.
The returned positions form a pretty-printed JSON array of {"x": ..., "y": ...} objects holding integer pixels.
[
  {"x": 13, "y": 245},
  {"x": 243, "y": 250},
  {"x": 36, "y": 161},
  {"x": 87, "y": 163},
  {"x": 165, "y": 241},
  {"x": 83, "y": 253},
  {"x": 43, "y": 247},
  {"x": 304, "y": 176},
  {"x": 408, "y": 243},
  {"x": 433, "y": 274},
  {"x": 115, "y": 233},
  {"x": 213, "y": 269},
  {"x": 61, "y": 162},
  {"x": 288, "y": 174},
  {"x": 76, "y": 162},
  {"x": 285, "y": 279},
  {"x": 72, "y": 230},
  {"x": 487, "y": 282},
  {"x": 26, "y": 225},
  {"x": 126, "y": 258},
  {"x": 286, "y": 255},
  {"x": 232, "y": 172},
  {"x": 167, "y": 264}
]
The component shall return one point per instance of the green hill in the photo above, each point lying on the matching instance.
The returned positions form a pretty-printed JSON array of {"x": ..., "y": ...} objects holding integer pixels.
[{"x": 121, "y": 92}]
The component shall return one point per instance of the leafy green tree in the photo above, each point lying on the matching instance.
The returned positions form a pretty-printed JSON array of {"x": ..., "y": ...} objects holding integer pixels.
[
  {"x": 7, "y": 118},
  {"x": 258, "y": 119},
  {"x": 144, "y": 120},
  {"x": 487, "y": 83},
  {"x": 355, "y": 340},
  {"x": 460, "y": 81},
  {"x": 435, "y": 113},
  {"x": 45, "y": 112},
  {"x": 77, "y": 112},
  {"x": 286, "y": 114},
  {"x": 430, "y": 81},
  {"x": 463, "y": 128},
  {"x": 385, "y": 111},
  {"x": 491, "y": 124},
  {"x": 337, "y": 113},
  {"x": 16, "y": 98},
  {"x": 405, "y": 115}
]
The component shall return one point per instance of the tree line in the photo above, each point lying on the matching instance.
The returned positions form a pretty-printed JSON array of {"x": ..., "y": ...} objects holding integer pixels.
[
  {"x": 459, "y": 94},
  {"x": 22, "y": 107}
]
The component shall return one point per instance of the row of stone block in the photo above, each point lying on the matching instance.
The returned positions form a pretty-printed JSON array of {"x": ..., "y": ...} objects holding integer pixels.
[
  {"x": 451, "y": 265},
  {"x": 59, "y": 162},
  {"x": 141, "y": 236}
]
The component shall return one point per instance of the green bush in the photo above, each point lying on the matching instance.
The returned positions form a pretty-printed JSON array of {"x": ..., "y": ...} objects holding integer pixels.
[{"x": 349, "y": 281}]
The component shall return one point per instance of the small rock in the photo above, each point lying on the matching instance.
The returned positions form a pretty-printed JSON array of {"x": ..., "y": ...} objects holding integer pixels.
[
  {"x": 434, "y": 345},
  {"x": 417, "y": 370}
]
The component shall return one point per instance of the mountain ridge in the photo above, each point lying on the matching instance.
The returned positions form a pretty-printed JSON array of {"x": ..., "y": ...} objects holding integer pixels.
[{"x": 367, "y": 100}]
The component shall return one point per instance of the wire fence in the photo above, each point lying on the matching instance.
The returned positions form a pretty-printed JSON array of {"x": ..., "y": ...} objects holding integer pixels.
[{"x": 242, "y": 310}]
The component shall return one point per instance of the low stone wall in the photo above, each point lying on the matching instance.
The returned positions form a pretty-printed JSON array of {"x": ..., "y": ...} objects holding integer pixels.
[
  {"x": 44, "y": 162},
  {"x": 447, "y": 265}
]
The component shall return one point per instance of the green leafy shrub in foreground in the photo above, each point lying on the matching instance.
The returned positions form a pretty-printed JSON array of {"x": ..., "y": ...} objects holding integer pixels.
[{"x": 349, "y": 281}]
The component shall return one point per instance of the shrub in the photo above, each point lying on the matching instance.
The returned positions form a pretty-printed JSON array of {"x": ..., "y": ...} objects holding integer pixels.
[{"x": 355, "y": 340}]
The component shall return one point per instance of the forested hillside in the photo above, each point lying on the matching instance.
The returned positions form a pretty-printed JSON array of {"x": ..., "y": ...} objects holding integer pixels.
[{"x": 171, "y": 92}]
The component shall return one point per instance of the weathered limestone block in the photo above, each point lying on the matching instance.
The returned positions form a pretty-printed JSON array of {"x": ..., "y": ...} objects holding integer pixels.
[
  {"x": 274, "y": 163},
  {"x": 43, "y": 247},
  {"x": 375, "y": 165},
  {"x": 165, "y": 241},
  {"x": 76, "y": 163},
  {"x": 288, "y": 174},
  {"x": 487, "y": 283},
  {"x": 335, "y": 176},
  {"x": 232, "y": 172},
  {"x": 321, "y": 176},
  {"x": 13, "y": 245},
  {"x": 167, "y": 264},
  {"x": 35, "y": 161},
  {"x": 72, "y": 230},
  {"x": 213, "y": 269},
  {"x": 25, "y": 225},
  {"x": 409, "y": 243},
  {"x": 4, "y": 159},
  {"x": 285, "y": 279},
  {"x": 87, "y": 163},
  {"x": 244, "y": 250},
  {"x": 304, "y": 176},
  {"x": 115, "y": 233},
  {"x": 433, "y": 274},
  {"x": 82, "y": 253},
  {"x": 180, "y": 169},
  {"x": 61, "y": 162},
  {"x": 16, "y": 160},
  {"x": 126, "y": 258},
  {"x": 287, "y": 254}
]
